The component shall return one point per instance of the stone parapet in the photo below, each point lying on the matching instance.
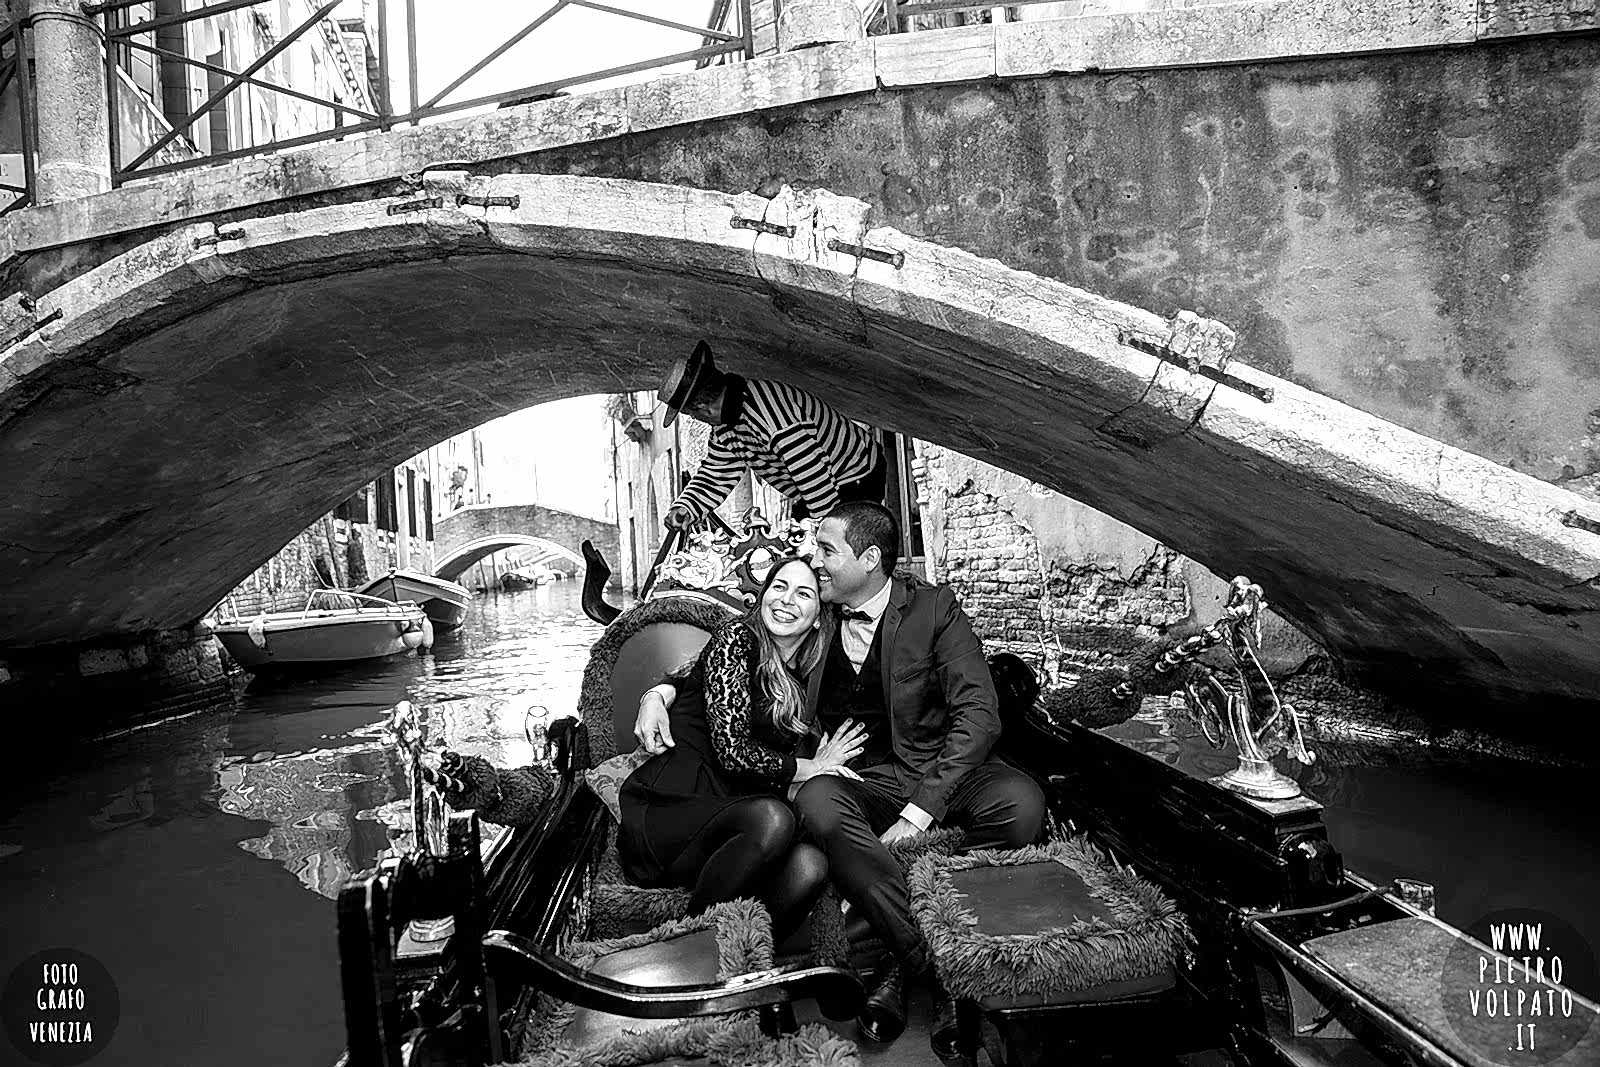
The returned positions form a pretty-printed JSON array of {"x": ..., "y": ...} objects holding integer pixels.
[{"x": 1194, "y": 36}]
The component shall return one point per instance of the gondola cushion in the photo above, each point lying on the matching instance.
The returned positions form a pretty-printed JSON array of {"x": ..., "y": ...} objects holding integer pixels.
[
  {"x": 606, "y": 780},
  {"x": 727, "y": 940},
  {"x": 1051, "y": 924}
]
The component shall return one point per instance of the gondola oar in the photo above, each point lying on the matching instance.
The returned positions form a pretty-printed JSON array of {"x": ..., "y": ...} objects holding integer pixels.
[{"x": 673, "y": 539}]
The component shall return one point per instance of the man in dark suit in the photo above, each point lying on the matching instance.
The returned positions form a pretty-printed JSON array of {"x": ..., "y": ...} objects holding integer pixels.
[{"x": 905, "y": 664}]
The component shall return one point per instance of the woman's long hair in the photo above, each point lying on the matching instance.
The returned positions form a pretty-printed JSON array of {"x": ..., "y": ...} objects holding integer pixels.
[{"x": 784, "y": 698}]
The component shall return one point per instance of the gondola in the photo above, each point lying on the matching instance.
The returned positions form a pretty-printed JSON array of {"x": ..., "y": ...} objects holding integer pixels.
[{"x": 1176, "y": 915}]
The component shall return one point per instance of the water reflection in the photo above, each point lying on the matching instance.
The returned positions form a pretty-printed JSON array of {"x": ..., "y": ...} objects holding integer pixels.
[{"x": 198, "y": 858}]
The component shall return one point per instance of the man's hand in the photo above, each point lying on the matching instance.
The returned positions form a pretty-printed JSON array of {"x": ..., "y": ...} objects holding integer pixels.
[
  {"x": 678, "y": 517},
  {"x": 903, "y": 827},
  {"x": 652, "y": 727}
]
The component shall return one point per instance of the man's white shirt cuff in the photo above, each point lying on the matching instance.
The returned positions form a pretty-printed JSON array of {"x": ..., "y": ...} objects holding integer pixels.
[{"x": 916, "y": 817}]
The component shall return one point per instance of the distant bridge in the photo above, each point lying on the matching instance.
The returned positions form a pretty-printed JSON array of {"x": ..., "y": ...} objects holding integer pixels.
[{"x": 464, "y": 537}]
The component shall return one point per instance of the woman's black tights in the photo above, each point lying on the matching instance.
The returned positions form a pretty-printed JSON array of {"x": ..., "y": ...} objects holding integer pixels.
[{"x": 749, "y": 850}]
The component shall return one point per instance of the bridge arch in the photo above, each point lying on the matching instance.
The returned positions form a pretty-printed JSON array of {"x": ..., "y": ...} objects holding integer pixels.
[
  {"x": 201, "y": 397},
  {"x": 456, "y": 563}
]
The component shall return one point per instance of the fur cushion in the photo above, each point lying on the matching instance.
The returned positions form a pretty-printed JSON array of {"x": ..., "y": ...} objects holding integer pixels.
[{"x": 1119, "y": 928}]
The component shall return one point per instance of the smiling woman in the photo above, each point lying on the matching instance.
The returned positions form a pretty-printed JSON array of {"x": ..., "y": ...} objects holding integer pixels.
[{"x": 707, "y": 813}]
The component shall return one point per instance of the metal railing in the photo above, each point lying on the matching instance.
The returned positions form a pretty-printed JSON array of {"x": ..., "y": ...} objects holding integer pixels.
[
  {"x": 14, "y": 67},
  {"x": 727, "y": 36},
  {"x": 718, "y": 43}
]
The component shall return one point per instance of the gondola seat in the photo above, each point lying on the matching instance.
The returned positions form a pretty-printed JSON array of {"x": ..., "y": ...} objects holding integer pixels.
[
  {"x": 1053, "y": 952},
  {"x": 727, "y": 941}
]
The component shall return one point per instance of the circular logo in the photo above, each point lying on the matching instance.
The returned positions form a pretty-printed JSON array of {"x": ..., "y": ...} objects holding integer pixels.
[
  {"x": 1511, "y": 997},
  {"x": 60, "y": 1007}
]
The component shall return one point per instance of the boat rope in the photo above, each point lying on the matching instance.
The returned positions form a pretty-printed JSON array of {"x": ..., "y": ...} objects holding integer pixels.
[{"x": 1315, "y": 909}]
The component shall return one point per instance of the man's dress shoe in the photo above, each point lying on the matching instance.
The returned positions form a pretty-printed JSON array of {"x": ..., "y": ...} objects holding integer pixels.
[
  {"x": 945, "y": 1035},
  {"x": 884, "y": 1017}
]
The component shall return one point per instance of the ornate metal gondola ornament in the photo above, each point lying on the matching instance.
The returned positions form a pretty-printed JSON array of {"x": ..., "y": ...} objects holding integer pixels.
[
  {"x": 1247, "y": 712},
  {"x": 728, "y": 565},
  {"x": 409, "y": 726}
]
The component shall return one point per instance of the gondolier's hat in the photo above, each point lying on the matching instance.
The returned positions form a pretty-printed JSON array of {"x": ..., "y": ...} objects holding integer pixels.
[{"x": 689, "y": 375}]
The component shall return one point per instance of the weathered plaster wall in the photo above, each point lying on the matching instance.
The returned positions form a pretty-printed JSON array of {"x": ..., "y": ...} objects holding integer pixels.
[
  {"x": 1058, "y": 582},
  {"x": 1415, "y": 234}
]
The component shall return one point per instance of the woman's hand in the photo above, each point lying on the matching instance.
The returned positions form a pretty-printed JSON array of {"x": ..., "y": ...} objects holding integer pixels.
[
  {"x": 834, "y": 752},
  {"x": 842, "y": 746},
  {"x": 652, "y": 726}
]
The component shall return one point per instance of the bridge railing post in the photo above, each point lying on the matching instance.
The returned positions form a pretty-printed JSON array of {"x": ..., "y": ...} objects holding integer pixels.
[
  {"x": 70, "y": 120},
  {"x": 384, "y": 102},
  {"x": 747, "y": 29}
]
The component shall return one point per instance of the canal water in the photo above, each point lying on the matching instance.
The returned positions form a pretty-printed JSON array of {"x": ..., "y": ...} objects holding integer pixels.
[{"x": 198, "y": 860}]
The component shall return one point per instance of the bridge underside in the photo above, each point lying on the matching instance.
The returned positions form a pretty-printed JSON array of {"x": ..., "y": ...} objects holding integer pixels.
[{"x": 198, "y": 405}]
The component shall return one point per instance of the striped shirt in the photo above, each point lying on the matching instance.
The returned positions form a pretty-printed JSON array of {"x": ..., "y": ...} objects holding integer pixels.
[{"x": 794, "y": 442}]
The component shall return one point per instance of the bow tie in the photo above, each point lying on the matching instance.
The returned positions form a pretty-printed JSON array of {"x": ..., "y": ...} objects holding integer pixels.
[{"x": 853, "y": 613}]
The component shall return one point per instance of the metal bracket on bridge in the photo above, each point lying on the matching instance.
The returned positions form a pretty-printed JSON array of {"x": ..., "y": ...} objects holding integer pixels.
[
  {"x": 415, "y": 205},
  {"x": 763, "y": 226},
  {"x": 32, "y": 328},
  {"x": 882, "y": 255},
  {"x": 235, "y": 234},
  {"x": 1198, "y": 345},
  {"x": 1580, "y": 522},
  {"x": 512, "y": 202}
]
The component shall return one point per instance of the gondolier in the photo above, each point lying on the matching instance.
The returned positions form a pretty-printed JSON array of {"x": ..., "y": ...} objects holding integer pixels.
[{"x": 797, "y": 443}]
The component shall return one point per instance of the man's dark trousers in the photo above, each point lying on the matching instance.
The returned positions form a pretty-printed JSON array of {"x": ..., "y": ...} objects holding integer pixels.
[{"x": 994, "y": 803}]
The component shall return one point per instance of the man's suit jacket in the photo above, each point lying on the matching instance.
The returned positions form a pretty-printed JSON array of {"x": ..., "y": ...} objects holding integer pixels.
[{"x": 943, "y": 713}]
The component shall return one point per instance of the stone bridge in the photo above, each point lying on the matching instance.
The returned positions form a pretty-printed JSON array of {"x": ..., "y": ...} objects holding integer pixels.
[
  {"x": 464, "y": 537},
  {"x": 1395, "y": 205}
]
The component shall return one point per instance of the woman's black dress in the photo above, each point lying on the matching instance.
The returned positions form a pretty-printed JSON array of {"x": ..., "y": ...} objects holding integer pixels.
[{"x": 724, "y": 750}]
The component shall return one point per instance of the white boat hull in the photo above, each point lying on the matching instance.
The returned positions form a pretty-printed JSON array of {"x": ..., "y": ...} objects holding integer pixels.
[
  {"x": 444, "y": 601},
  {"x": 340, "y": 635}
]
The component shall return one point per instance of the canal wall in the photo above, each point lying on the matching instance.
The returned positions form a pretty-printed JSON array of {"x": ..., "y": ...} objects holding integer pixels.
[
  {"x": 1059, "y": 583},
  {"x": 64, "y": 691}
]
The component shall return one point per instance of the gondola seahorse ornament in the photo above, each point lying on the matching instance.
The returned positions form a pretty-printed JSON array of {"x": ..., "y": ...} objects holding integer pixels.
[{"x": 1246, "y": 709}]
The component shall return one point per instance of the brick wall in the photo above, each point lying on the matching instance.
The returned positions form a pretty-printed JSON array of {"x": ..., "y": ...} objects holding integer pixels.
[
  {"x": 993, "y": 564},
  {"x": 1049, "y": 578}
]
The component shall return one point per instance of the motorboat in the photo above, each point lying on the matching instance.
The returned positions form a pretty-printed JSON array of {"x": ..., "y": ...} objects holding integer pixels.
[
  {"x": 444, "y": 601},
  {"x": 333, "y": 627},
  {"x": 1263, "y": 950}
]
